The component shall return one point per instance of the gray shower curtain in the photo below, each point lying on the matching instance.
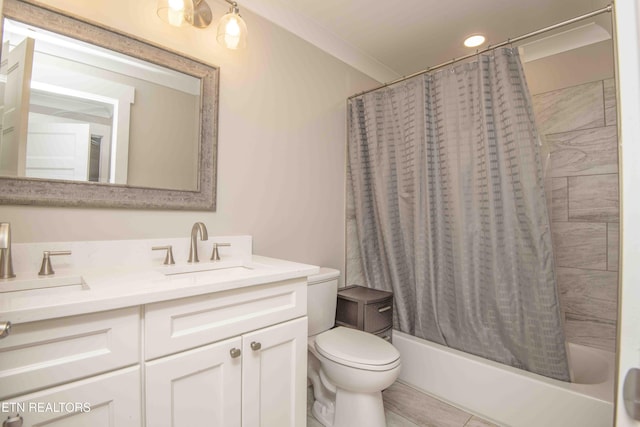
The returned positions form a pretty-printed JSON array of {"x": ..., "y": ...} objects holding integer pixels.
[{"x": 447, "y": 187}]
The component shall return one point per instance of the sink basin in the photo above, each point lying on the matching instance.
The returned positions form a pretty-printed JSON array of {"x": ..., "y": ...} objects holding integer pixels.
[
  {"x": 203, "y": 267},
  {"x": 64, "y": 282},
  {"x": 221, "y": 271}
]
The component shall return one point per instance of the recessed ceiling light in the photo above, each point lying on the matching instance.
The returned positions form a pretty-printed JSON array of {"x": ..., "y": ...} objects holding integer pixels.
[{"x": 475, "y": 40}]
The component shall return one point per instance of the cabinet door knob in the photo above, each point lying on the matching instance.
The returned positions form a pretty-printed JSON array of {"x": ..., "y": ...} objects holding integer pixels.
[
  {"x": 5, "y": 329},
  {"x": 255, "y": 346},
  {"x": 383, "y": 309},
  {"x": 13, "y": 421},
  {"x": 235, "y": 352}
]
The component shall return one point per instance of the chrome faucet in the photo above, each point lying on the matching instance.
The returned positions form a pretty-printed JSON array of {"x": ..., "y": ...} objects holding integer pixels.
[
  {"x": 193, "y": 249},
  {"x": 6, "y": 266}
]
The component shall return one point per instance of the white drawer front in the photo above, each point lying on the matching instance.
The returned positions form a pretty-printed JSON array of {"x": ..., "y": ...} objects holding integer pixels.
[
  {"x": 46, "y": 353},
  {"x": 178, "y": 325},
  {"x": 109, "y": 400}
]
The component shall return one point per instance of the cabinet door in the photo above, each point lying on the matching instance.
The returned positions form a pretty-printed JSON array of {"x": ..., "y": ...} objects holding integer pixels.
[
  {"x": 109, "y": 400},
  {"x": 200, "y": 387},
  {"x": 274, "y": 375}
]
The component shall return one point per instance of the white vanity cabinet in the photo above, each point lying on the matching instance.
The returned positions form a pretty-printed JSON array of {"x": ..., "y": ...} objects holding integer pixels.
[
  {"x": 233, "y": 358},
  {"x": 258, "y": 379},
  {"x": 224, "y": 356}
]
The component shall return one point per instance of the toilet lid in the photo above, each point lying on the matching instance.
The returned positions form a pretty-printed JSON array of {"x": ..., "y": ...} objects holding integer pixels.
[{"x": 356, "y": 348}]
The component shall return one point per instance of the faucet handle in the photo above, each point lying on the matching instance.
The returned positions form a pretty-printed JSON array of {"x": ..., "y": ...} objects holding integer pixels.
[
  {"x": 168, "y": 258},
  {"x": 215, "y": 256},
  {"x": 45, "y": 268}
]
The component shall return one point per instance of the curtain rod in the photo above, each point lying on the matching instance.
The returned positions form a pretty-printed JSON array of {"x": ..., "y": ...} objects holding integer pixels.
[{"x": 605, "y": 9}]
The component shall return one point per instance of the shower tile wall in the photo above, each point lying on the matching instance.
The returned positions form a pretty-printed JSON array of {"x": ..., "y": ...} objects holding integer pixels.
[{"x": 578, "y": 129}]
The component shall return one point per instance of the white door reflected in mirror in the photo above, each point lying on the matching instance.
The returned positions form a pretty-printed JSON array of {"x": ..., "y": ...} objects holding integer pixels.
[{"x": 58, "y": 151}]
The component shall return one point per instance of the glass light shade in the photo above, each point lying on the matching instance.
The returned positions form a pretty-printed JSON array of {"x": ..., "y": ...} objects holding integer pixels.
[
  {"x": 175, "y": 12},
  {"x": 232, "y": 31}
]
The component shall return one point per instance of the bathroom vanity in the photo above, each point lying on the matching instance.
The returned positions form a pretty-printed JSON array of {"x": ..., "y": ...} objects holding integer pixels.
[{"x": 137, "y": 343}]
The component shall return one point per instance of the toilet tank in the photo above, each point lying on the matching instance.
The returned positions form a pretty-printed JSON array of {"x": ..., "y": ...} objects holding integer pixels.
[{"x": 322, "y": 294}]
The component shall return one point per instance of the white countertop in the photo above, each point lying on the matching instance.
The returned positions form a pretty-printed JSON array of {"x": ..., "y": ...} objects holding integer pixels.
[{"x": 108, "y": 288}]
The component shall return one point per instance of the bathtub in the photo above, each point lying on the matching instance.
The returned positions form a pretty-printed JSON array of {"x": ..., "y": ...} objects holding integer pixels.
[{"x": 508, "y": 396}]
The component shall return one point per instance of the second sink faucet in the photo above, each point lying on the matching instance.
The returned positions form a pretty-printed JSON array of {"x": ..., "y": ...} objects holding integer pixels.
[
  {"x": 198, "y": 227},
  {"x": 6, "y": 266}
]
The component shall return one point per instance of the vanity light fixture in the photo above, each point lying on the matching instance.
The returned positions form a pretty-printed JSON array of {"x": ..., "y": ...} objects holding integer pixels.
[
  {"x": 231, "y": 33},
  {"x": 474, "y": 40}
]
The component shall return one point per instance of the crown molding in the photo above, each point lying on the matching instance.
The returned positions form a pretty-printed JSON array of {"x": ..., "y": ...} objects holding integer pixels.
[{"x": 564, "y": 41}]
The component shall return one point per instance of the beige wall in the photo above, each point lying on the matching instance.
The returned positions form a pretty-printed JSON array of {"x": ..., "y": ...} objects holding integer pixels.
[
  {"x": 280, "y": 150},
  {"x": 163, "y": 141},
  {"x": 571, "y": 68}
]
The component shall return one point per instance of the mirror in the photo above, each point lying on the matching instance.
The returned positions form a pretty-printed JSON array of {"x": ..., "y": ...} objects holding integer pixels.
[{"x": 92, "y": 117}]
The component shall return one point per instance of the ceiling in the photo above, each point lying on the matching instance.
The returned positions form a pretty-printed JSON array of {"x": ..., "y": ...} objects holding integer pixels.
[{"x": 387, "y": 40}]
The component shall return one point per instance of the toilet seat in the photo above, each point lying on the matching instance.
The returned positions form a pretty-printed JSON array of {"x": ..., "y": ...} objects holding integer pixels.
[{"x": 357, "y": 349}]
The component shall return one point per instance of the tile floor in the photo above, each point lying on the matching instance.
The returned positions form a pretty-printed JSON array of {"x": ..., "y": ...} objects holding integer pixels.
[{"x": 407, "y": 407}]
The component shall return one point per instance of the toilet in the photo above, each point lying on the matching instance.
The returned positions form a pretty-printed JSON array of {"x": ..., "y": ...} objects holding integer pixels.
[{"x": 347, "y": 368}]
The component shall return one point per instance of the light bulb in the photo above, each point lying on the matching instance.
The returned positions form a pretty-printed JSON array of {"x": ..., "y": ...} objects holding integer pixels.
[
  {"x": 233, "y": 28},
  {"x": 232, "y": 31},
  {"x": 232, "y": 34},
  {"x": 176, "y": 5},
  {"x": 175, "y": 14}
]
